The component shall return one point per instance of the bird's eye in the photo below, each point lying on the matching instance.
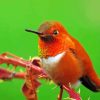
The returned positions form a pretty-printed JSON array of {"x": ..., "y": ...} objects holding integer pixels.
[{"x": 55, "y": 32}]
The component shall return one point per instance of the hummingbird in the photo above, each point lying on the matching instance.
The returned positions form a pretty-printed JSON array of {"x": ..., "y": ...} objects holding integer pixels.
[{"x": 63, "y": 58}]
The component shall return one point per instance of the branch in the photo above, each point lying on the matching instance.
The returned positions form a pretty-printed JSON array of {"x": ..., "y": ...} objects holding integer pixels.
[
  {"x": 8, "y": 75},
  {"x": 20, "y": 62},
  {"x": 33, "y": 72},
  {"x": 73, "y": 95}
]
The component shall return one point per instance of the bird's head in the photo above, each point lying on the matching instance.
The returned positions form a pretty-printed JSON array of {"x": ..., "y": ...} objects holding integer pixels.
[
  {"x": 52, "y": 36},
  {"x": 50, "y": 31}
]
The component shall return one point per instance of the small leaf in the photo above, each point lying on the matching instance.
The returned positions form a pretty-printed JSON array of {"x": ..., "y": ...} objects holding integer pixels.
[
  {"x": 54, "y": 87},
  {"x": 51, "y": 82},
  {"x": 1, "y": 81},
  {"x": 30, "y": 58},
  {"x": 79, "y": 91},
  {"x": 88, "y": 98}
]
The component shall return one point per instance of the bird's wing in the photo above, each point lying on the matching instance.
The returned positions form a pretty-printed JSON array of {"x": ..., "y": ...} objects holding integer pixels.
[{"x": 90, "y": 78}]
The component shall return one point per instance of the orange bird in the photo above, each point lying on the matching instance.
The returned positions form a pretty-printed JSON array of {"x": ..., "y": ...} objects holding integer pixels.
[{"x": 63, "y": 58}]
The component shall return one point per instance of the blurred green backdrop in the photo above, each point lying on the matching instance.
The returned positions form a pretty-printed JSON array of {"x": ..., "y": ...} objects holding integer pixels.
[{"x": 80, "y": 17}]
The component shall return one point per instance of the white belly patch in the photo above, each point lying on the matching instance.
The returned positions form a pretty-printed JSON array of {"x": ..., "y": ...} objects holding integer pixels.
[{"x": 51, "y": 62}]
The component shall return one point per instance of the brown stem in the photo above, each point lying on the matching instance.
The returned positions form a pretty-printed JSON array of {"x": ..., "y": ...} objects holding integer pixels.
[{"x": 61, "y": 93}]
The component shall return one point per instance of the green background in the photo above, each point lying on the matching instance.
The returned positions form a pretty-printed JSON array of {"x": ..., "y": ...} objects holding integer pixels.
[{"x": 80, "y": 17}]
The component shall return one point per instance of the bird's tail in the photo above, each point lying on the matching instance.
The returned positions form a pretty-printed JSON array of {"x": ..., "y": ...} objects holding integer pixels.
[{"x": 92, "y": 85}]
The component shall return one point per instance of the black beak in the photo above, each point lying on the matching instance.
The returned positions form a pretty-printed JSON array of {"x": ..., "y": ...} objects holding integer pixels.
[
  {"x": 41, "y": 35},
  {"x": 38, "y": 33}
]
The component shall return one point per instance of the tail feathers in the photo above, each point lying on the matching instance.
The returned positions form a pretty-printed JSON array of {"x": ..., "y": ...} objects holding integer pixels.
[{"x": 89, "y": 84}]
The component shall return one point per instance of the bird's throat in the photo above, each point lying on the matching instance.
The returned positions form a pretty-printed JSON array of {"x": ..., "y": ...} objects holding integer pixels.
[{"x": 51, "y": 49}]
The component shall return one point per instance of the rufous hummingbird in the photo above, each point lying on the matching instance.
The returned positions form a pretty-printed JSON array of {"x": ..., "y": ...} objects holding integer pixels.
[{"x": 63, "y": 58}]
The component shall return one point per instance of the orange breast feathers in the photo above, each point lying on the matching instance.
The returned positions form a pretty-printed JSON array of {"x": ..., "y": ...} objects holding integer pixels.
[{"x": 64, "y": 68}]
